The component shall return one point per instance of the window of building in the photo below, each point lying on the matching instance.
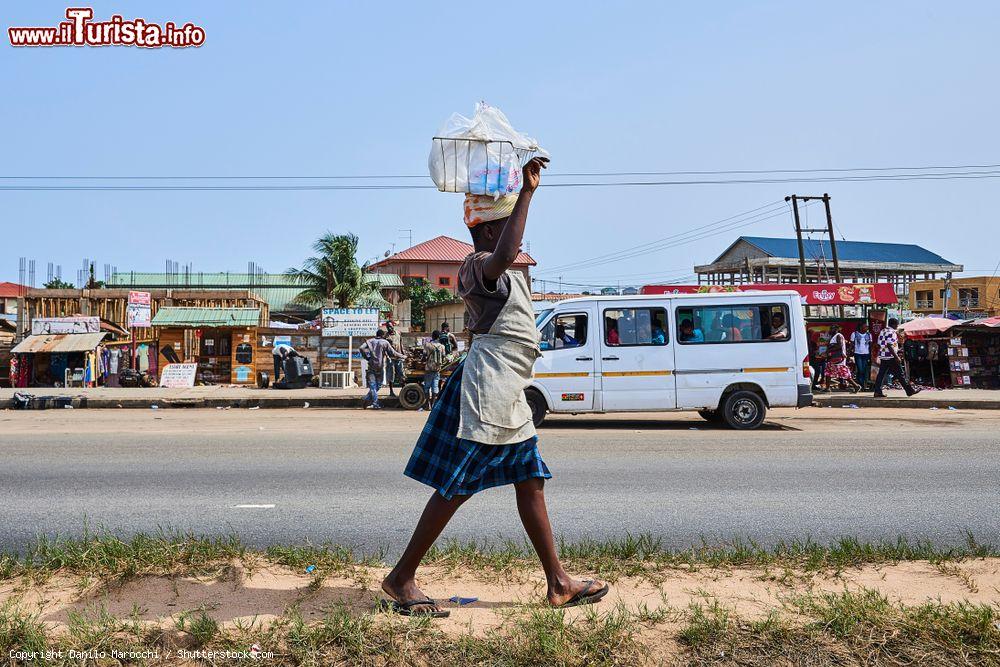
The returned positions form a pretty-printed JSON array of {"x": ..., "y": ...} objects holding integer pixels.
[
  {"x": 635, "y": 326},
  {"x": 444, "y": 281},
  {"x": 925, "y": 298},
  {"x": 565, "y": 331},
  {"x": 968, "y": 297},
  {"x": 756, "y": 323}
]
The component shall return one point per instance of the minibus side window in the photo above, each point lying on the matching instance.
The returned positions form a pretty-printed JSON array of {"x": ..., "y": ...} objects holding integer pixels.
[
  {"x": 635, "y": 326},
  {"x": 566, "y": 330},
  {"x": 750, "y": 323}
]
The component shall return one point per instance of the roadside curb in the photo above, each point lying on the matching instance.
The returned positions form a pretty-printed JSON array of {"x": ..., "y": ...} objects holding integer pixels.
[
  {"x": 276, "y": 402},
  {"x": 843, "y": 400}
]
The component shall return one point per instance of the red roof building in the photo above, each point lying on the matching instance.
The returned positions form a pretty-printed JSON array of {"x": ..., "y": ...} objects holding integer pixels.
[
  {"x": 8, "y": 297},
  {"x": 436, "y": 262}
]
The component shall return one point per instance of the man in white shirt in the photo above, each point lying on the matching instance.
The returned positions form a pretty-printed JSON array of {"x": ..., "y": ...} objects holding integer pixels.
[{"x": 862, "y": 341}]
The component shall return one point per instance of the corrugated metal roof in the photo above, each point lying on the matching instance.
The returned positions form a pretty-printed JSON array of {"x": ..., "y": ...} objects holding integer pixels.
[
  {"x": 277, "y": 289},
  {"x": 848, "y": 251},
  {"x": 443, "y": 249},
  {"x": 174, "y": 316},
  {"x": 59, "y": 343}
]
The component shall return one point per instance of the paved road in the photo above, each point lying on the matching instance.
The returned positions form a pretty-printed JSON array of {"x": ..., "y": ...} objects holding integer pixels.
[{"x": 336, "y": 475}]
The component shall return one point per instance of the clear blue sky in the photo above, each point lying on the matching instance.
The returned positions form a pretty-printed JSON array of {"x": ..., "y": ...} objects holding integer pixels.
[{"x": 330, "y": 88}]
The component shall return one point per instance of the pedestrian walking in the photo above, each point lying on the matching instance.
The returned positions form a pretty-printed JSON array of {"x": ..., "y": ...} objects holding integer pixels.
[
  {"x": 838, "y": 373},
  {"x": 480, "y": 434},
  {"x": 375, "y": 352},
  {"x": 862, "y": 342},
  {"x": 448, "y": 339},
  {"x": 394, "y": 367},
  {"x": 818, "y": 363},
  {"x": 888, "y": 359},
  {"x": 434, "y": 351}
]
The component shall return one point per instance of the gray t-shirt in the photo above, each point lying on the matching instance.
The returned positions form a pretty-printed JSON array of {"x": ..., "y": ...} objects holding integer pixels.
[{"x": 483, "y": 302}]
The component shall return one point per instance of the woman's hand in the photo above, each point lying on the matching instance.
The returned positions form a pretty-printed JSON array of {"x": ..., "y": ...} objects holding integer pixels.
[{"x": 532, "y": 173}]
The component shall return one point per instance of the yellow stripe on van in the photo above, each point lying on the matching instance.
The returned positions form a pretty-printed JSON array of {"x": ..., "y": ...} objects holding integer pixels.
[
  {"x": 622, "y": 374},
  {"x": 562, "y": 375},
  {"x": 768, "y": 369}
]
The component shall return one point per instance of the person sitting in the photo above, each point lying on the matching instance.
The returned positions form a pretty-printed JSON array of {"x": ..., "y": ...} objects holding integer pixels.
[
  {"x": 689, "y": 334},
  {"x": 563, "y": 339},
  {"x": 779, "y": 330},
  {"x": 731, "y": 328},
  {"x": 612, "y": 329},
  {"x": 659, "y": 335}
]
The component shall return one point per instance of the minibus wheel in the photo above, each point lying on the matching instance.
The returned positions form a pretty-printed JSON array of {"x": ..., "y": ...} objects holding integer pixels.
[
  {"x": 537, "y": 404},
  {"x": 743, "y": 410}
]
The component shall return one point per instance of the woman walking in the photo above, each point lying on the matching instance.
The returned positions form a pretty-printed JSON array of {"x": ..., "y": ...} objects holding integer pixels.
[
  {"x": 480, "y": 434},
  {"x": 837, "y": 371}
]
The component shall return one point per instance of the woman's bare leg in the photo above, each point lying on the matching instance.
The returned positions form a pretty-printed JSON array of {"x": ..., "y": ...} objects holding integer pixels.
[
  {"x": 401, "y": 583},
  {"x": 535, "y": 517}
]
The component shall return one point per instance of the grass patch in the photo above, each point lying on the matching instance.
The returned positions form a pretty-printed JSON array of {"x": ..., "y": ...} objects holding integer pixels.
[
  {"x": 104, "y": 554},
  {"x": 849, "y": 628}
]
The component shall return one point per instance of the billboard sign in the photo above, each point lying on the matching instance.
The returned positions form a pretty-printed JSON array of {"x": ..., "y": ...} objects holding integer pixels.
[{"x": 350, "y": 321}]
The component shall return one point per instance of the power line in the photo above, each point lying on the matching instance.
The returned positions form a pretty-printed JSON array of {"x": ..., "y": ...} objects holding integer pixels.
[
  {"x": 702, "y": 232},
  {"x": 934, "y": 176},
  {"x": 549, "y": 175},
  {"x": 622, "y": 253}
]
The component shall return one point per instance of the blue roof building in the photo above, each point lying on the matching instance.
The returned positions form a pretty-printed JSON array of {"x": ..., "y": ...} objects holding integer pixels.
[{"x": 759, "y": 259}]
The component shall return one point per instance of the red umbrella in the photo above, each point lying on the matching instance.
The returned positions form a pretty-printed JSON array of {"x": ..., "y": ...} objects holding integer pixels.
[
  {"x": 987, "y": 322},
  {"x": 927, "y": 326}
]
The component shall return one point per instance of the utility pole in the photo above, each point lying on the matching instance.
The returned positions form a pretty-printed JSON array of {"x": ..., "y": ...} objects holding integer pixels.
[
  {"x": 947, "y": 294},
  {"x": 833, "y": 238},
  {"x": 798, "y": 235}
]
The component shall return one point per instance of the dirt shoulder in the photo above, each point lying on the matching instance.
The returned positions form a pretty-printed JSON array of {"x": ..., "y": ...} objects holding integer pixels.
[{"x": 691, "y": 614}]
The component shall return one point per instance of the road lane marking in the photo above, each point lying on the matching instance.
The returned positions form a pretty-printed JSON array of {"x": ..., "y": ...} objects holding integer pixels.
[{"x": 253, "y": 507}]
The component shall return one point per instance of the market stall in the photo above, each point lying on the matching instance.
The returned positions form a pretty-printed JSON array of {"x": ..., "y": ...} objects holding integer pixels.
[
  {"x": 926, "y": 351},
  {"x": 221, "y": 341},
  {"x": 974, "y": 354}
]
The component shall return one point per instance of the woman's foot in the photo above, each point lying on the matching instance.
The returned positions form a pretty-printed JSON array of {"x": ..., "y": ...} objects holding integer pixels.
[
  {"x": 560, "y": 593},
  {"x": 404, "y": 591}
]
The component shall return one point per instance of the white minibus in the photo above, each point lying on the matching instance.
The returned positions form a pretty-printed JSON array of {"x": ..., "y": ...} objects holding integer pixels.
[{"x": 729, "y": 356}]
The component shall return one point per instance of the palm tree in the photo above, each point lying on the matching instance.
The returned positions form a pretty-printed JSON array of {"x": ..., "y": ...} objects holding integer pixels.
[{"x": 333, "y": 275}]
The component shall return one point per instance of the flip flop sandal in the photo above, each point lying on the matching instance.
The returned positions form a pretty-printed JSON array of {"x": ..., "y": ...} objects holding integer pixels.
[
  {"x": 586, "y": 596},
  {"x": 406, "y": 608}
]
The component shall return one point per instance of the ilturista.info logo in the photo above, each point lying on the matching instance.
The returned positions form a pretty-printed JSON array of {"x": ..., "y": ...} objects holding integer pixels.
[{"x": 81, "y": 30}]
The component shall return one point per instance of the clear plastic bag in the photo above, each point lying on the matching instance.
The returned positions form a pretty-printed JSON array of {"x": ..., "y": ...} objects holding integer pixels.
[{"x": 480, "y": 155}]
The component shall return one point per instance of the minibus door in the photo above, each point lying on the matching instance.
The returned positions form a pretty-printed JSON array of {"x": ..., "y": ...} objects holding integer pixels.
[
  {"x": 637, "y": 357},
  {"x": 566, "y": 368}
]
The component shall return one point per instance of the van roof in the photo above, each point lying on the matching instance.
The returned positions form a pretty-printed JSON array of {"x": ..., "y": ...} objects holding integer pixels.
[{"x": 661, "y": 297}]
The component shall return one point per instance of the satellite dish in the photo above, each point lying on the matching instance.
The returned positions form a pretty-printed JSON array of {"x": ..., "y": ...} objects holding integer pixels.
[{"x": 386, "y": 253}]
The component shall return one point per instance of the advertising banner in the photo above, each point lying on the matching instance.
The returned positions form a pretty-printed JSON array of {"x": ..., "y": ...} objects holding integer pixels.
[
  {"x": 178, "y": 375},
  {"x": 350, "y": 321},
  {"x": 65, "y": 325},
  {"x": 138, "y": 313}
]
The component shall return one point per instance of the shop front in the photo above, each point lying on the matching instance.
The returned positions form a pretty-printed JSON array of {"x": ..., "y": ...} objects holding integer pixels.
[
  {"x": 58, "y": 360},
  {"x": 221, "y": 341}
]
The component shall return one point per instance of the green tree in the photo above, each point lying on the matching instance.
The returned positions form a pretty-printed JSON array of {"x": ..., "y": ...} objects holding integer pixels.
[
  {"x": 333, "y": 276},
  {"x": 422, "y": 295},
  {"x": 58, "y": 283}
]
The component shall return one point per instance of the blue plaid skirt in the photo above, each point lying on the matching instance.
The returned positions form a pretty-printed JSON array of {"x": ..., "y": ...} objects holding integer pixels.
[{"x": 455, "y": 466}]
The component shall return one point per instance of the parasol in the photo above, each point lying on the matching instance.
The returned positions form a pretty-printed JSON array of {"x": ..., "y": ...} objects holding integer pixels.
[{"x": 927, "y": 326}]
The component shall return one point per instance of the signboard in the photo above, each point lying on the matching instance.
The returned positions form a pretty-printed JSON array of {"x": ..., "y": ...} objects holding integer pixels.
[
  {"x": 350, "y": 321},
  {"x": 138, "y": 313},
  {"x": 812, "y": 294},
  {"x": 178, "y": 375},
  {"x": 65, "y": 325}
]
